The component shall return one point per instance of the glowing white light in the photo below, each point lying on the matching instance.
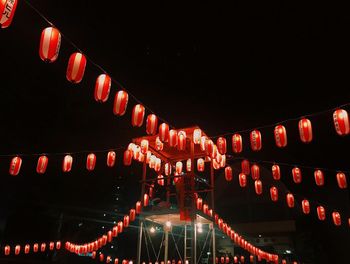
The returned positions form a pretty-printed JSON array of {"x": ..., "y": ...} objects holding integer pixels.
[
  {"x": 168, "y": 224},
  {"x": 152, "y": 229},
  {"x": 200, "y": 230}
]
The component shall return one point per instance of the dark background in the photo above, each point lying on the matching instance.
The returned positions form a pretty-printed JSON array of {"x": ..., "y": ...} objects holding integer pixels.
[{"x": 223, "y": 67}]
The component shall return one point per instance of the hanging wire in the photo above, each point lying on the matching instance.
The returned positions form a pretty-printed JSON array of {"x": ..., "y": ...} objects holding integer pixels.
[
  {"x": 160, "y": 247},
  {"x": 176, "y": 247},
  {"x": 203, "y": 248},
  {"x": 154, "y": 252},
  {"x": 144, "y": 233}
]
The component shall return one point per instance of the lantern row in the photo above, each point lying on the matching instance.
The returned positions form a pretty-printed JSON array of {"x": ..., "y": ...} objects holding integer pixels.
[
  {"x": 241, "y": 259},
  {"x": 35, "y": 248}
]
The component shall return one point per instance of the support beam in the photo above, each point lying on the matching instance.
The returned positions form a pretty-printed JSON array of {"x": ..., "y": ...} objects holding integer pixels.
[
  {"x": 212, "y": 182},
  {"x": 139, "y": 242}
]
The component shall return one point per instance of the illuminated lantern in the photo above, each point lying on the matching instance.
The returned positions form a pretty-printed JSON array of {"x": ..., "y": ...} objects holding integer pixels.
[
  {"x": 164, "y": 132},
  {"x": 159, "y": 144},
  {"x": 210, "y": 212},
  {"x": 290, "y": 200},
  {"x": 26, "y": 249},
  {"x": 144, "y": 146},
  {"x": 42, "y": 164},
  {"x": 197, "y": 134},
  {"x": 49, "y": 44},
  {"x": 91, "y": 162},
  {"x": 255, "y": 140},
  {"x": 306, "y": 206},
  {"x": 116, "y": 261},
  {"x": 284, "y": 261},
  {"x": 203, "y": 142},
  {"x": 235, "y": 259},
  {"x": 93, "y": 255},
  {"x": 227, "y": 260},
  {"x": 276, "y": 172},
  {"x": 43, "y": 247},
  {"x": 120, "y": 227},
  {"x": 228, "y": 173},
  {"x": 245, "y": 166},
  {"x": 7, "y": 250},
  {"x": 336, "y": 218},
  {"x": 280, "y": 136},
  {"x": 255, "y": 171},
  {"x": 242, "y": 259},
  {"x": 305, "y": 130},
  {"x": 209, "y": 147},
  {"x": 151, "y": 124},
  {"x": 321, "y": 213},
  {"x": 102, "y": 257},
  {"x": 188, "y": 165},
  {"x": 111, "y": 158},
  {"x": 205, "y": 208},
  {"x": 297, "y": 177},
  {"x": 215, "y": 152},
  {"x": 132, "y": 214},
  {"x": 219, "y": 158},
  {"x": 160, "y": 180},
  {"x": 76, "y": 67},
  {"x": 52, "y": 246},
  {"x": 115, "y": 231},
  {"x": 15, "y": 166},
  {"x": 102, "y": 88},
  {"x": 221, "y": 144},
  {"x": 7, "y": 12},
  {"x": 341, "y": 122},
  {"x": 237, "y": 145},
  {"x": 172, "y": 138},
  {"x": 127, "y": 158},
  {"x": 341, "y": 179},
  {"x": 152, "y": 162},
  {"x": 109, "y": 259},
  {"x": 158, "y": 164},
  {"x": 274, "y": 194},
  {"x": 200, "y": 165},
  {"x": 58, "y": 245},
  {"x": 216, "y": 165},
  {"x": 319, "y": 177},
  {"x": 17, "y": 249},
  {"x": 148, "y": 156},
  {"x": 251, "y": 259},
  {"x": 120, "y": 103},
  {"x": 145, "y": 199},
  {"x": 167, "y": 169},
  {"x": 67, "y": 163},
  {"x": 258, "y": 187},
  {"x": 222, "y": 260},
  {"x": 138, "y": 114},
  {"x": 179, "y": 167},
  {"x": 242, "y": 180},
  {"x": 126, "y": 221},
  {"x": 181, "y": 140}
]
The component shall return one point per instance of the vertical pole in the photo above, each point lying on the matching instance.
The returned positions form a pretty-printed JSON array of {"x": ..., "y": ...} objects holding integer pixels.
[
  {"x": 213, "y": 207},
  {"x": 139, "y": 242},
  {"x": 193, "y": 211},
  {"x": 185, "y": 245},
  {"x": 166, "y": 246}
]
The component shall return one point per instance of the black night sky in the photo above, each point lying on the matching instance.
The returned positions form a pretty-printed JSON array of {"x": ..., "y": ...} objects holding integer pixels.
[{"x": 222, "y": 67}]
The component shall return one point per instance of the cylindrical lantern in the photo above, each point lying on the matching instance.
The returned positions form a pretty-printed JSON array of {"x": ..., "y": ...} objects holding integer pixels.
[
  {"x": 274, "y": 194},
  {"x": 255, "y": 140},
  {"x": 197, "y": 134},
  {"x": 235, "y": 259},
  {"x": 199, "y": 203},
  {"x": 284, "y": 261},
  {"x": 43, "y": 247},
  {"x": 164, "y": 132},
  {"x": 280, "y": 134},
  {"x": 159, "y": 144},
  {"x": 138, "y": 114},
  {"x": 111, "y": 158},
  {"x": 151, "y": 124},
  {"x": 341, "y": 180},
  {"x": 242, "y": 259},
  {"x": 242, "y": 180},
  {"x": 102, "y": 257},
  {"x": 158, "y": 164},
  {"x": 321, "y": 213},
  {"x": 58, "y": 245},
  {"x": 319, "y": 177},
  {"x": 42, "y": 164},
  {"x": 15, "y": 166},
  {"x": 205, "y": 208},
  {"x": 172, "y": 138},
  {"x": 76, "y": 67},
  {"x": 126, "y": 221},
  {"x": 290, "y": 200},
  {"x": 200, "y": 165},
  {"x": 228, "y": 173},
  {"x": 222, "y": 260},
  {"x": 245, "y": 167},
  {"x": 258, "y": 187},
  {"x": 67, "y": 163},
  {"x": 7, "y": 12},
  {"x": 227, "y": 260},
  {"x": 214, "y": 152},
  {"x": 276, "y": 172},
  {"x": 305, "y": 130},
  {"x": 116, "y": 261},
  {"x": 297, "y": 177},
  {"x": 336, "y": 218},
  {"x": 255, "y": 171},
  {"x": 145, "y": 200},
  {"x": 115, "y": 231},
  {"x": 132, "y": 214},
  {"x": 144, "y": 146},
  {"x": 127, "y": 158},
  {"x": 52, "y": 246},
  {"x": 7, "y": 250},
  {"x": 120, "y": 103},
  {"x": 91, "y": 162},
  {"x": 17, "y": 249},
  {"x": 237, "y": 144},
  {"x": 251, "y": 259},
  {"x": 108, "y": 259},
  {"x": 181, "y": 140},
  {"x": 221, "y": 144},
  {"x": 120, "y": 227},
  {"x": 209, "y": 147},
  {"x": 305, "y": 206},
  {"x": 26, "y": 249},
  {"x": 50, "y": 43},
  {"x": 188, "y": 165},
  {"x": 216, "y": 165},
  {"x": 102, "y": 88},
  {"x": 341, "y": 122},
  {"x": 167, "y": 169},
  {"x": 160, "y": 180},
  {"x": 179, "y": 167},
  {"x": 203, "y": 142}
]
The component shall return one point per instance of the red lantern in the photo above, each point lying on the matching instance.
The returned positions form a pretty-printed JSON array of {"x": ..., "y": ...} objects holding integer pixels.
[
  {"x": 151, "y": 124},
  {"x": 52, "y": 246},
  {"x": 290, "y": 200},
  {"x": 280, "y": 136},
  {"x": 284, "y": 261},
  {"x": 242, "y": 259},
  {"x": 109, "y": 259},
  {"x": 7, "y": 250},
  {"x": 228, "y": 173},
  {"x": 93, "y": 255},
  {"x": 297, "y": 177},
  {"x": 76, "y": 67},
  {"x": 158, "y": 164},
  {"x": 43, "y": 247},
  {"x": 197, "y": 134},
  {"x": 145, "y": 200},
  {"x": 341, "y": 179},
  {"x": 15, "y": 166},
  {"x": 115, "y": 231},
  {"x": 199, "y": 203},
  {"x": 255, "y": 140},
  {"x": 138, "y": 114},
  {"x": 242, "y": 180},
  {"x": 50, "y": 44},
  {"x": 245, "y": 167},
  {"x": 120, "y": 227},
  {"x": 235, "y": 259},
  {"x": 67, "y": 163},
  {"x": 164, "y": 132},
  {"x": 319, "y": 177},
  {"x": 42, "y": 164},
  {"x": 179, "y": 167},
  {"x": 58, "y": 245},
  {"x": 144, "y": 146},
  {"x": 227, "y": 260},
  {"x": 306, "y": 206},
  {"x": 126, "y": 221},
  {"x": 205, "y": 208},
  {"x": 255, "y": 171},
  {"x": 111, "y": 158},
  {"x": 181, "y": 140},
  {"x": 102, "y": 88},
  {"x": 258, "y": 187},
  {"x": 216, "y": 165},
  {"x": 336, "y": 218},
  {"x": 160, "y": 180},
  {"x": 17, "y": 249},
  {"x": 26, "y": 249},
  {"x": 209, "y": 147},
  {"x": 341, "y": 122},
  {"x": 251, "y": 259},
  {"x": 321, "y": 213},
  {"x": 102, "y": 257},
  {"x": 203, "y": 142},
  {"x": 274, "y": 194},
  {"x": 188, "y": 165},
  {"x": 172, "y": 138},
  {"x": 127, "y": 157},
  {"x": 222, "y": 260},
  {"x": 200, "y": 165},
  {"x": 7, "y": 12},
  {"x": 223, "y": 161},
  {"x": 221, "y": 144},
  {"x": 167, "y": 169},
  {"x": 276, "y": 172},
  {"x": 214, "y": 152},
  {"x": 120, "y": 103},
  {"x": 132, "y": 214},
  {"x": 116, "y": 261},
  {"x": 91, "y": 162},
  {"x": 305, "y": 130},
  {"x": 237, "y": 145}
]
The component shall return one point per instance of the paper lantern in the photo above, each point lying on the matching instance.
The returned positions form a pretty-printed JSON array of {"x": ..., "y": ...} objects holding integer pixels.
[
  {"x": 274, "y": 194},
  {"x": 67, "y": 163},
  {"x": 297, "y": 177},
  {"x": 199, "y": 203},
  {"x": 179, "y": 167},
  {"x": 216, "y": 165},
  {"x": 245, "y": 167},
  {"x": 76, "y": 67},
  {"x": 7, "y": 12},
  {"x": 235, "y": 259},
  {"x": 305, "y": 130},
  {"x": 214, "y": 152},
  {"x": 93, "y": 255},
  {"x": 221, "y": 144},
  {"x": 151, "y": 124},
  {"x": 203, "y": 142},
  {"x": 188, "y": 165},
  {"x": 280, "y": 136},
  {"x": 91, "y": 162},
  {"x": 255, "y": 140},
  {"x": 158, "y": 164},
  {"x": 223, "y": 161},
  {"x": 251, "y": 259},
  {"x": 145, "y": 200},
  {"x": 290, "y": 200},
  {"x": 276, "y": 172},
  {"x": 127, "y": 158},
  {"x": 152, "y": 162},
  {"x": 144, "y": 146},
  {"x": 181, "y": 140},
  {"x": 242, "y": 180},
  {"x": 164, "y": 132},
  {"x": 209, "y": 147},
  {"x": 319, "y": 177},
  {"x": 160, "y": 180},
  {"x": 242, "y": 259},
  {"x": 228, "y": 173},
  {"x": 132, "y": 214},
  {"x": 120, "y": 227},
  {"x": 321, "y": 213},
  {"x": 167, "y": 169},
  {"x": 15, "y": 166},
  {"x": 258, "y": 187},
  {"x": 101, "y": 257},
  {"x": 197, "y": 134},
  {"x": 341, "y": 180},
  {"x": 222, "y": 260},
  {"x": 138, "y": 114},
  {"x": 17, "y": 249},
  {"x": 43, "y": 247},
  {"x": 102, "y": 88},
  {"x": 111, "y": 158},
  {"x": 108, "y": 259},
  {"x": 50, "y": 43},
  {"x": 120, "y": 103},
  {"x": 148, "y": 157},
  {"x": 305, "y": 206},
  {"x": 52, "y": 246},
  {"x": 115, "y": 231},
  {"x": 284, "y": 261},
  {"x": 237, "y": 145},
  {"x": 227, "y": 260},
  {"x": 136, "y": 152},
  {"x": 341, "y": 122},
  {"x": 172, "y": 138},
  {"x": 116, "y": 261},
  {"x": 200, "y": 165},
  {"x": 336, "y": 218},
  {"x": 205, "y": 208},
  {"x": 42, "y": 164},
  {"x": 255, "y": 171},
  {"x": 7, "y": 250},
  {"x": 58, "y": 245},
  {"x": 126, "y": 221}
]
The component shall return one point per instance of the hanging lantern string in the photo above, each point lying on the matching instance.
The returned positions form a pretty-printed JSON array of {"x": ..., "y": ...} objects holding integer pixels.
[
  {"x": 89, "y": 59},
  {"x": 282, "y": 122},
  {"x": 231, "y": 158}
]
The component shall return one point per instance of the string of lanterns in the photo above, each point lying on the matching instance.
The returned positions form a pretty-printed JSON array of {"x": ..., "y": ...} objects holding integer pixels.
[{"x": 28, "y": 248}]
